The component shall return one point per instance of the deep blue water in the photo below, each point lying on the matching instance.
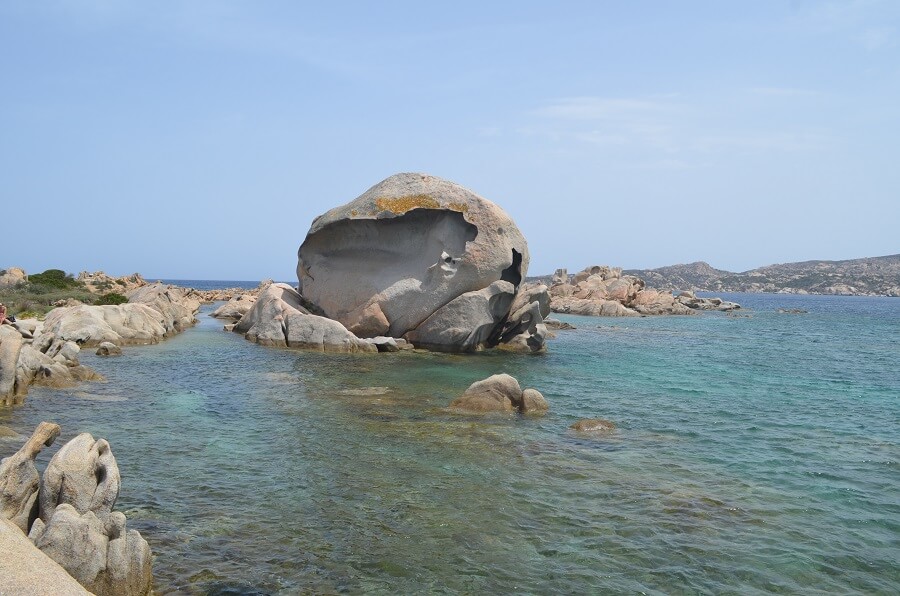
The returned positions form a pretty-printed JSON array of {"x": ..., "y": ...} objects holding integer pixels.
[{"x": 753, "y": 454}]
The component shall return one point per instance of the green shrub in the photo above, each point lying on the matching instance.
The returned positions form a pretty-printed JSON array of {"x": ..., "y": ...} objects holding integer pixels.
[
  {"x": 54, "y": 278},
  {"x": 29, "y": 314},
  {"x": 111, "y": 298}
]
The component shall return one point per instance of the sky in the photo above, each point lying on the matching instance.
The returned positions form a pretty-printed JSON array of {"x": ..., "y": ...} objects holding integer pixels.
[{"x": 199, "y": 139}]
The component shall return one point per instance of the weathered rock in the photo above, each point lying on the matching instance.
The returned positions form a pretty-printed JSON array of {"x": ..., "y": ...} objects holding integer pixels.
[
  {"x": 99, "y": 552},
  {"x": 19, "y": 478},
  {"x": 10, "y": 347},
  {"x": 24, "y": 569},
  {"x": 692, "y": 301},
  {"x": 108, "y": 349},
  {"x": 391, "y": 260},
  {"x": 278, "y": 318},
  {"x": 593, "y": 425},
  {"x": 499, "y": 393},
  {"x": 12, "y": 277},
  {"x": 235, "y": 308},
  {"x": 37, "y": 368},
  {"x": 101, "y": 283},
  {"x": 533, "y": 402},
  {"x": 92, "y": 325},
  {"x": 176, "y": 305},
  {"x": 558, "y": 325},
  {"x": 83, "y": 474},
  {"x": 591, "y": 308},
  {"x": 605, "y": 291},
  {"x": 467, "y": 323},
  {"x": 78, "y": 528}
]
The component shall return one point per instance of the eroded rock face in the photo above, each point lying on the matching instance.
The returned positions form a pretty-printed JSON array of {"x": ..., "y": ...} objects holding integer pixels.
[
  {"x": 78, "y": 528},
  {"x": 68, "y": 515},
  {"x": 19, "y": 478},
  {"x": 419, "y": 257}
]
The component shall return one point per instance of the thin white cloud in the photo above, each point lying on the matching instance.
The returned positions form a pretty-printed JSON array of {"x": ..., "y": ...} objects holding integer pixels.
[{"x": 667, "y": 134}]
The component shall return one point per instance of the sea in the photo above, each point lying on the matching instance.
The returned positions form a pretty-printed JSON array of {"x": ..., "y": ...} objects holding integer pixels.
[{"x": 754, "y": 452}]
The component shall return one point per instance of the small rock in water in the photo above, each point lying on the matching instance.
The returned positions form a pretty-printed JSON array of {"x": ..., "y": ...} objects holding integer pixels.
[
  {"x": 593, "y": 425},
  {"x": 793, "y": 311},
  {"x": 500, "y": 393},
  {"x": 108, "y": 348}
]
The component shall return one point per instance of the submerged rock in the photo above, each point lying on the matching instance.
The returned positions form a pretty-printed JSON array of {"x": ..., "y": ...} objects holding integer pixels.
[
  {"x": 593, "y": 425},
  {"x": 418, "y": 257},
  {"x": 500, "y": 393}
]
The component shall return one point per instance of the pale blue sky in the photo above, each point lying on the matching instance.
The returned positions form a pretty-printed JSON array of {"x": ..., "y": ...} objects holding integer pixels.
[{"x": 199, "y": 139}]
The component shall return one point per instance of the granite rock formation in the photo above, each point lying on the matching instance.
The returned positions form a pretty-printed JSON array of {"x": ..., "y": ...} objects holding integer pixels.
[
  {"x": 418, "y": 257},
  {"x": 69, "y": 516},
  {"x": 12, "y": 277},
  {"x": 46, "y": 353},
  {"x": 605, "y": 291},
  {"x": 500, "y": 393},
  {"x": 235, "y": 308},
  {"x": 278, "y": 318}
]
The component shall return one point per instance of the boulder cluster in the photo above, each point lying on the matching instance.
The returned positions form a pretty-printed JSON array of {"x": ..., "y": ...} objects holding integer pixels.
[
  {"x": 500, "y": 393},
  {"x": 604, "y": 291},
  {"x": 67, "y": 515},
  {"x": 415, "y": 258},
  {"x": 46, "y": 352}
]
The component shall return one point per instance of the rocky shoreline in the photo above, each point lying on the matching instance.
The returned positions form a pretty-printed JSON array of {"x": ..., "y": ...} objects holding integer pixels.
[{"x": 415, "y": 262}]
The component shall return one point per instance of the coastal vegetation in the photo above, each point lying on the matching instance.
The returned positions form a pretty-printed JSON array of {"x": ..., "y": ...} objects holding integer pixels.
[{"x": 40, "y": 293}]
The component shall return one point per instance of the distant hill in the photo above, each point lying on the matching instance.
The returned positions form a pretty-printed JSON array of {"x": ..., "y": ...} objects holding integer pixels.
[{"x": 874, "y": 276}]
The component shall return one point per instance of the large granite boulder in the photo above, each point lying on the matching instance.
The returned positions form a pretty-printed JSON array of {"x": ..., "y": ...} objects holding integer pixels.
[
  {"x": 419, "y": 257},
  {"x": 176, "y": 305},
  {"x": 278, "y": 318},
  {"x": 498, "y": 394}
]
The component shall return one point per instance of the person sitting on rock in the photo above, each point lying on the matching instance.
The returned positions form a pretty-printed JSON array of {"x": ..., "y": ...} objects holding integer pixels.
[{"x": 3, "y": 320}]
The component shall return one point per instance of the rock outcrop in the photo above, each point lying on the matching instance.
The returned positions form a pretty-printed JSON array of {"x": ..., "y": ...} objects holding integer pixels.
[
  {"x": 278, "y": 318},
  {"x": 69, "y": 516},
  {"x": 12, "y": 277},
  {"x": 20, "y": 481},
  {"x": 235, "y": 308},
  {"x": 24, "y": 569},
  {"x": 154, "y": 312},
  {"x": 499, "y": 393},
  {"x": 101, "y": 283},
  {"x": 47, "y": 353},
  {"x": 420, "y": 258},
  {"x": 605, "y": 291},
  {"x": 23, "y": 364}
]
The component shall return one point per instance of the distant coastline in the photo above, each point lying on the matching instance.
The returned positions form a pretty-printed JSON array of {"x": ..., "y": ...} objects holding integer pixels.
[{"x": 873, "y": 276}]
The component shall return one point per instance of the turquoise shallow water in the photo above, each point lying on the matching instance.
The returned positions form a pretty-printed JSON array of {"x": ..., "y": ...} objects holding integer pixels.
[{"x": 752, "y": 455}]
